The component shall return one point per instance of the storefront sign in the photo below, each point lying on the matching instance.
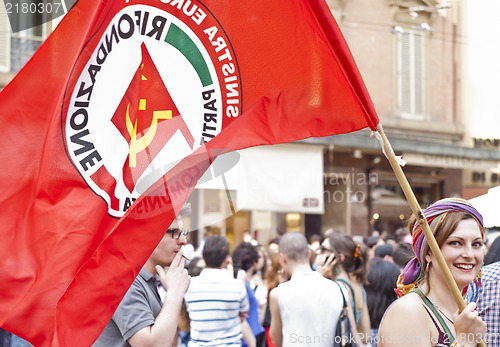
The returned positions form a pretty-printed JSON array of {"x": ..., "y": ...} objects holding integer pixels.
[
  {"x": 486, "y": 143},
  {"x": 481, "y": 178},
  {"x": 448, "y": 161}
]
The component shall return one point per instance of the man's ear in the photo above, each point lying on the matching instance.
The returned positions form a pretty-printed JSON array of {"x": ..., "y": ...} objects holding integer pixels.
[
  {"x": 227, "y": 261},
  {"x": 283, "y": 258}
]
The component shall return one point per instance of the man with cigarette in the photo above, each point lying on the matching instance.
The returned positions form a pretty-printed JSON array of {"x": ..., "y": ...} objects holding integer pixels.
[{"x": 141, "y": 319}]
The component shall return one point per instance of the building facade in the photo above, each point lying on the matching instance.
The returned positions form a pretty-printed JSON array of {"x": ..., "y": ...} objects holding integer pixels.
[
  {"x": 410, "y": 54},
  {"x": 412, "y": 57}
]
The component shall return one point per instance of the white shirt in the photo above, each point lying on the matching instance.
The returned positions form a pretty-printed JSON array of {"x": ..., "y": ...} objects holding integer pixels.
[{"x": 310, "y": 307}]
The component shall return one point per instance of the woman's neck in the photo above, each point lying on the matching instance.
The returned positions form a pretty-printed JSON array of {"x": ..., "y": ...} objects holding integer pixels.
[
  {"x": 341, "y": 273},
  {"x": 438, "y": 292}
]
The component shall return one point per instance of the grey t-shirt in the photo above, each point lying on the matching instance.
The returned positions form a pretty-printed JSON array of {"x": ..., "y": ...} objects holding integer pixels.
[{"x": 138, "y": 309}]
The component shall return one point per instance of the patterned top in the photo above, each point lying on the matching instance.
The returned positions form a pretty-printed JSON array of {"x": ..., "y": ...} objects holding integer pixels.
[
  {"x": 443, "y": 339},
  {"x": 488, "y": 302}
]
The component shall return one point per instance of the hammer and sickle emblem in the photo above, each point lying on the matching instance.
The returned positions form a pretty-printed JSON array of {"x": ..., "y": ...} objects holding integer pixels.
[{"x": 139, "y": 144}]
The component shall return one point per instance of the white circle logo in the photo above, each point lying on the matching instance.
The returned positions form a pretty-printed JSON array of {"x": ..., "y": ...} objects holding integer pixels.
[{"x": 147, "y": 95}]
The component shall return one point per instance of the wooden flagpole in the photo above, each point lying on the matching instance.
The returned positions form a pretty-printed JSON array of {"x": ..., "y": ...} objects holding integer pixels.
[{"x": 422, "y": 221}]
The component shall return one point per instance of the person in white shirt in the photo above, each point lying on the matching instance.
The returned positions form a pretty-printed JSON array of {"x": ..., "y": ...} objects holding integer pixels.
[{"x": 304, "y": 310}]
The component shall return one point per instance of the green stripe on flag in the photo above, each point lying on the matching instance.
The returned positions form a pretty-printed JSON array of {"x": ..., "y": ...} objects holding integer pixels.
[{"x": 178, "y": 39}]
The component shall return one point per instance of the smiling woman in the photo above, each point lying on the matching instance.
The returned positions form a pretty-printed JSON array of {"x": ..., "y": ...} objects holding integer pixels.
[
  {"x": 428, "y": 314},
  {"x": 463, "y": 252}
]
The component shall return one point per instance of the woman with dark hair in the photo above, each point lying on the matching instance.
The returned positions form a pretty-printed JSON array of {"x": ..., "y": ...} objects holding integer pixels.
[
  {"x": 382, "y": 281},
  {"x": 341, "y": 259},
  {"x": 245, "y": 258},
  {"x": 258, "y": 281},
  {"x": 493, "y": 254},
  {"x": 426, "y": 314},
  {"x": 274, "y": 276}
]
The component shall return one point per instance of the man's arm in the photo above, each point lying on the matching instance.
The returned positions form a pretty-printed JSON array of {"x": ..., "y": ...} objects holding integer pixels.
[
  {"x": 247, "y": 333},
  {"x": 176, "y": 280},
  {"x": 275, "y": 328}
]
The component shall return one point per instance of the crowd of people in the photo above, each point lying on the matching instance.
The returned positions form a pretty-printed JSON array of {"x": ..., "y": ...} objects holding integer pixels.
[{"x": 292, "y": 291}]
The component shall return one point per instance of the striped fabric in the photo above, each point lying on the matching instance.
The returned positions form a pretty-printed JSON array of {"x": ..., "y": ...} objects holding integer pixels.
[
  {"x": 488, "y": 302},
  {"x": 214, "y": 302}
]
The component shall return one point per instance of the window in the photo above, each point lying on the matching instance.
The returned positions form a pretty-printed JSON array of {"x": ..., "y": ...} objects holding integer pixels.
[
  {"x": 24, "y": 30},
  {"x": 30, "y": 24},
  {"x": 411, "y": 74},
  {"x": 4, "y": 42}
]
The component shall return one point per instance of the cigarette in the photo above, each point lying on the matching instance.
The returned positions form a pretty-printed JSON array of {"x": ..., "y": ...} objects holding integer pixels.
[{"x": 186, "y": 258}]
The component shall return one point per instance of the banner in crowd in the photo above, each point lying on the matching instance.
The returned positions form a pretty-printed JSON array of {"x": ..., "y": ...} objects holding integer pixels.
[{"x": 111, "y": 123}]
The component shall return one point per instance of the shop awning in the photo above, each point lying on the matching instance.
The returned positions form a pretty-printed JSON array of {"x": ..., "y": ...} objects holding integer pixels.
[
  {"x": 487, "y": 205},
  {"x": 279, "y": 178}
]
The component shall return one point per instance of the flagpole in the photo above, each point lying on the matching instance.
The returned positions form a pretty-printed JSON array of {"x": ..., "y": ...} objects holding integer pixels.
[{"x": 422, "y": 221}]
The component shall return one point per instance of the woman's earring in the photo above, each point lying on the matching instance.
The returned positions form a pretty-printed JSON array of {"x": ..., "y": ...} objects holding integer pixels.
[{"x": 427, "y": 266}]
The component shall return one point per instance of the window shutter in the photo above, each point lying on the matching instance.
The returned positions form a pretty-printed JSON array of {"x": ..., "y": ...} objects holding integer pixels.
[
  {"x": 411, "y": 74},
  {"x": 419, "y": 74},
  {"x": 405, "y": 73}
]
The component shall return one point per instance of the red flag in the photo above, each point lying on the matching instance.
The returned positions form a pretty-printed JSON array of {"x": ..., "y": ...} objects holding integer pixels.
[{"x": 119, "y": 93}]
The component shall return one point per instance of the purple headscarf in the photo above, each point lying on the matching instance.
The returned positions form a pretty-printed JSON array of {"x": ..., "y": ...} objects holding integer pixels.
[{"x": 434, "y": 214}]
